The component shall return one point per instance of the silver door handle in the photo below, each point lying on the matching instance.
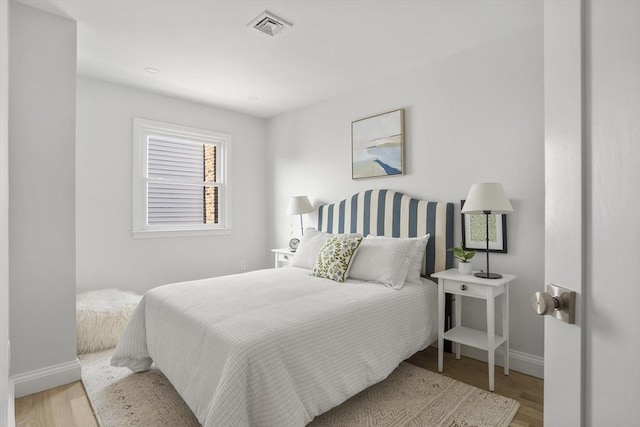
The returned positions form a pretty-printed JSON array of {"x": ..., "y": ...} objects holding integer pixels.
[
  {"x": 543, "y": 303},
  {"x": 555, "y": 301}
]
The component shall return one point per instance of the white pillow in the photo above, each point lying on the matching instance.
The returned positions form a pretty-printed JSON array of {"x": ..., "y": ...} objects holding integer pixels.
[
  {"x": 384, "y": 261},
  {"x": 417, "y": 265},
  {"x": 309, "y": 248}
]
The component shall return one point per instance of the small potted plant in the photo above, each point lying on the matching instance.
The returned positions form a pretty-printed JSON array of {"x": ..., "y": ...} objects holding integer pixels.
[{"x": 464, "y": 266}]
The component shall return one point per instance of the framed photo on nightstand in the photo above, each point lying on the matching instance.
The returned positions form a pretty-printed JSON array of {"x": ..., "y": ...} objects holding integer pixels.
[{"x": 474, "y": 232}]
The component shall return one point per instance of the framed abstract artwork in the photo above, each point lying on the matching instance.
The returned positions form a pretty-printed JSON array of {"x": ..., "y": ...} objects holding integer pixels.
[
  {"x": 377, "y": 145},
  {"x": 474, "y": 232}
]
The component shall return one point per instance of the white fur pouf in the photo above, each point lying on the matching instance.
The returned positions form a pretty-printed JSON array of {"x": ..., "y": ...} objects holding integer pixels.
[{"x": 101, "y": 317}]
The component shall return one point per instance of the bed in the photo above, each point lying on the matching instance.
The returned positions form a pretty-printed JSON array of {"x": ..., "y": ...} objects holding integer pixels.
[{"x": 277, "y": 347}]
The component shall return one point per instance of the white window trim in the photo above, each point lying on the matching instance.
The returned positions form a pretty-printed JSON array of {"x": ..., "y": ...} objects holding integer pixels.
[{"x": 140, "y": 229}]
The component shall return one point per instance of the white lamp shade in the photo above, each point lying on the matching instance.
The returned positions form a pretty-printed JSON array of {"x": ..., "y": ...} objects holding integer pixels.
[
  {"x": 487, "y": 197},
  {"x": 299, "y": 205}
]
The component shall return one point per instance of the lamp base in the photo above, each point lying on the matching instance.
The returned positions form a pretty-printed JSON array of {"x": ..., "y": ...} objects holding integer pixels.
[{"x": 488, "y": 275}]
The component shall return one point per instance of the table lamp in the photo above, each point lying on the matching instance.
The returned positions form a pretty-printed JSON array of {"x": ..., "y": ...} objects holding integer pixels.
[
  {"x": 488, "y": 198},
  {"x": 299, "y": 205}
]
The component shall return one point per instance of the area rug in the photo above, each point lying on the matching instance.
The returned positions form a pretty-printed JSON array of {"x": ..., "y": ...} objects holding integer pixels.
[{"x": 410, "y": 396}]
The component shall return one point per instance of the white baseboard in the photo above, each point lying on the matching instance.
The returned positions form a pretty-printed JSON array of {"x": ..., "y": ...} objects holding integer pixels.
[
  {"x": 46, "y": 378},
  {"x": 518, "y": 361}
]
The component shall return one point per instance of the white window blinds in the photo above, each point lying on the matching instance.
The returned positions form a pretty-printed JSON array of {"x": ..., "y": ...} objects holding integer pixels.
[
  {"x": 180, "y": 185},
  {"x": 180, "y": 173}
]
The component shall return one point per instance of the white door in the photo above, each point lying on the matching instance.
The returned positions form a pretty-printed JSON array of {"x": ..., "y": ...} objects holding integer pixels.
[
  {"x": 6, "y": 395},
  {"x": 592, "y": 205},
  {"x": 563, "y": 207}
]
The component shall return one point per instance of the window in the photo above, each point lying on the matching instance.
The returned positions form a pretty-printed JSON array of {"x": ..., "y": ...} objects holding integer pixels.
[{"x": 179, "y": 180}]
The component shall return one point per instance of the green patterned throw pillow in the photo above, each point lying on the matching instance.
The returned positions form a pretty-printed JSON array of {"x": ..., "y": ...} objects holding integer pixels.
[{"x": 336, "y": 255}]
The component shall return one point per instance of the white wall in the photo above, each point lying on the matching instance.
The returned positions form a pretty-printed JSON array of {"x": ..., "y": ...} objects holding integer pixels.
[
  {"x": 473, "y": 117},
  {"x": 107, "y": 254},
  {"x": 42, "y": 199},
  {"x": 613, "y": 207}
]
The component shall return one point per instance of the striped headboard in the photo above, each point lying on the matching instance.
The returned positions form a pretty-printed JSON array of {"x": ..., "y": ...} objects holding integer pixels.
[{"x": 392, "y": 214}]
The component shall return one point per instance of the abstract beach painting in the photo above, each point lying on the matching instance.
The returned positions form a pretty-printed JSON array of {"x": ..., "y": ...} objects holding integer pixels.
[{"x": 377, "y": 145}]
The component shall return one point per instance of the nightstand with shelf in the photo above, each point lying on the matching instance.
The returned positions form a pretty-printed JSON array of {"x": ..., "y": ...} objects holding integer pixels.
[
  {"x": 453, "y": 282},
  {"x": 283, "y": 256}
]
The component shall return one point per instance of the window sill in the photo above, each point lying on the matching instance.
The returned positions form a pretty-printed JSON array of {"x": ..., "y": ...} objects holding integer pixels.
[{"x": 155, "y": 234}]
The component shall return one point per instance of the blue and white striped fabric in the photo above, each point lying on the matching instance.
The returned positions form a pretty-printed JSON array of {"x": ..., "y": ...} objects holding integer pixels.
[{"x": 393, "y": 214}]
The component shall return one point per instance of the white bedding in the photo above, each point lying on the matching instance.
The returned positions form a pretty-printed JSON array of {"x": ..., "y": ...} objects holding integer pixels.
[{"x": 275, "y": 347}]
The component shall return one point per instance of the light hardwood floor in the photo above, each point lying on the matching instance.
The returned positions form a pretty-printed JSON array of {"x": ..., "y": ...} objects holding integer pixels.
[
  {"x": 68, "y": 405},
  {"x": 64, "y": 406}
]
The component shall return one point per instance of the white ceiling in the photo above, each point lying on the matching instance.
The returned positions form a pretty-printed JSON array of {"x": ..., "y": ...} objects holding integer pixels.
[{"x": 205, "y": 52}]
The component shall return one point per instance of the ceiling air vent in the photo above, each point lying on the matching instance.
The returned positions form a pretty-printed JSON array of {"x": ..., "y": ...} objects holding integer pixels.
[{"x": 269, "y": 23}]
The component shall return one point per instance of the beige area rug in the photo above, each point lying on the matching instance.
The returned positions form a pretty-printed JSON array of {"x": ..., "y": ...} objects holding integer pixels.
[{"x": 410, "y": 396}]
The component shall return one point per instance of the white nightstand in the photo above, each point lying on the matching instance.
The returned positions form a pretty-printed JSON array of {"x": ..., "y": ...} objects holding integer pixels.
[
  {"x": 283, "y": 256},
  {"x": 452, "y": 282}
]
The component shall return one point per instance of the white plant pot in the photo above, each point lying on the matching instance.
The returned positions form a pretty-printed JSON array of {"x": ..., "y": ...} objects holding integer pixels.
[{"x": 465, "y": 267}]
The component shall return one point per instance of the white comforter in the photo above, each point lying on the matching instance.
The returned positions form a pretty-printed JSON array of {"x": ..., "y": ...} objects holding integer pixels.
[{"x": 275, "y": 347}]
